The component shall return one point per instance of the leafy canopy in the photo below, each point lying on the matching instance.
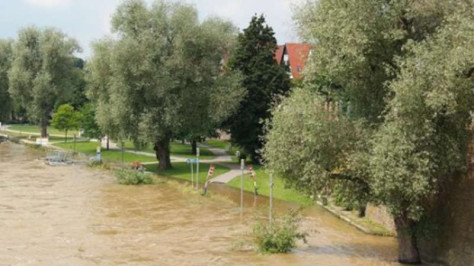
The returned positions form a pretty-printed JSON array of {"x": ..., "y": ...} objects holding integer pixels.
[
  {"x": 42, "y": 71},
  {"x": 162, "y": 76},
  {"x": 65, "y": 118},
  {"x": 6, "y": 104}
]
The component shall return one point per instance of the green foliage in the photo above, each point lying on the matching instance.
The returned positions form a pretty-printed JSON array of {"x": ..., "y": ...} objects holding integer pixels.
[
  {"x": 423, "y": 142},
  {"x": 151, "y": 90},
  {"x": 99, "y": 165},
  {"x": 78, "y": 97},
  {"x": 42, "y": 72},
  {"x": 66, "y": 118},
  {"x": 133, "y": 177},
  {"x": 88, "y": 122},
  {"x": 310, "y": 147},
  {"x": 280, "y": 236},
  {"x": 358, "y": 42},
  {"x": 402, "y": 72},
  {"x": 6, "y": 105},
  {"x": 262, "y": 78}
]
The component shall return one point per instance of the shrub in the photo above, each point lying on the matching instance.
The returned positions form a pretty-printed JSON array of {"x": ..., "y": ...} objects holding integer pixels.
[
  {"x": 279, "y": 236},
  {"x": 99, "y": 165},
  {"x": 133, "y": 177}
]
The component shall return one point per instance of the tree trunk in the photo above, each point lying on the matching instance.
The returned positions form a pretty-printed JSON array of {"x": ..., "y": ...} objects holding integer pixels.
[
  {"x": 43, "y": 124},
  {"x": 194, "y": 147},
  {"x": 108, "y": 143},
  {"x": 162, "y": 149},
  {"x": 407, "y": 246},
  {"x": 44, "y": 131},
  {"x": 65, "y": 136},
  {"x": 361, "y": 210}
]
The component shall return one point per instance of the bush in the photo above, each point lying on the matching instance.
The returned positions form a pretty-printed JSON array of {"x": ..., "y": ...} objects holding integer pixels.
[
  {"x": 133, "y": 177},
  {"x": 99, "y": 165},
  {"x": 279, "y": 236}
]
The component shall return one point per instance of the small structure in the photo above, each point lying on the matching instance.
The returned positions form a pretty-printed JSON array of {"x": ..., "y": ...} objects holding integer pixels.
[
  {"x": 56, "y": 158},
  {"x": 42, "y": 141}
]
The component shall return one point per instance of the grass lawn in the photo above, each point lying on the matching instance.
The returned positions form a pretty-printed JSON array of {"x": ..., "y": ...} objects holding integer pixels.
[
  {"x": 111, "y": 155},
  {"x": 177, "y": 149},
  {"x": 183, "y": 171},
  {"x": 217, "y": 143},
  {"x": 279, "y": 190},
  {"x": 35, "y": 129}
]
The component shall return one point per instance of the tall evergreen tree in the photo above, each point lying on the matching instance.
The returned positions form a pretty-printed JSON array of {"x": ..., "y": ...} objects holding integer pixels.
[{"x": 262, "y": 78}]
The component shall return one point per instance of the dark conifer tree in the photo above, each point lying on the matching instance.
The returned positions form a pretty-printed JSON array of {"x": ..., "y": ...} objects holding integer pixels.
[{"x": 262, "y": 78}]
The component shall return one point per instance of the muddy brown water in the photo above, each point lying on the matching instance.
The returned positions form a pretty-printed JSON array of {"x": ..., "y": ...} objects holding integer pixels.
[{"x": 77, "y": 216}]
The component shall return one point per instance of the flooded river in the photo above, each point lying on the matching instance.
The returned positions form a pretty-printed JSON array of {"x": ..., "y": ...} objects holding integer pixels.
[{"x": 77, "y": 216}]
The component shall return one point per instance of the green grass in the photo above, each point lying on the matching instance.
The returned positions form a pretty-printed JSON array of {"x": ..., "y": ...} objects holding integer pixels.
[
  {"x": 177, "y": 149},
  {"x": 35, "y": 129},
  {"x": 217, "y": 143},
  {"x": 183, "y": 171},
  {"x": 279, "y": 190},
  {"x": 89, "y": 148}
]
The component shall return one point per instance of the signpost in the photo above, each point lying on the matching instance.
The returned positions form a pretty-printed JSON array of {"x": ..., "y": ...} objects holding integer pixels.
[
  {"x": 252, "y": 175},
  {"x": 122, "y": 144},
  {"x": 271, "y": 199},
  {"x": 242, "y": 167},
  {"x": 74, "y": 149},
  {"x": 99, "y": 155},
  {"x": 197, "y": 168},
  {"x": 209, "y": 177},
  {"x": 190, "y": 162}
]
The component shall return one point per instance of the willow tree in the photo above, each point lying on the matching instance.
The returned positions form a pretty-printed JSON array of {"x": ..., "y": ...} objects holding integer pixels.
[
  {"x": 165, "y": 74},
  {"x": 423, "y": 142},
  {"x": 99, "y": 77},
  {"x": 403, "y": 73},
  {"x": 43, "y": 72},
  {"x": 5, "y": 63}
]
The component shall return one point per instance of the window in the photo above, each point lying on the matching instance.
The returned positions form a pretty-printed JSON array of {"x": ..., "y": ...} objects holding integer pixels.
[{"x": 298, "y": 68}]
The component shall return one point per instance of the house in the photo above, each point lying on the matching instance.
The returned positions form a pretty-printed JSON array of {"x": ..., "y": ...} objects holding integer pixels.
[{"x": 293, "y": 55}]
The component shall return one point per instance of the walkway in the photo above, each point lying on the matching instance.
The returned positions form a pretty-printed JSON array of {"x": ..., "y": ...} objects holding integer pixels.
[{"x": 222, "y": 159}]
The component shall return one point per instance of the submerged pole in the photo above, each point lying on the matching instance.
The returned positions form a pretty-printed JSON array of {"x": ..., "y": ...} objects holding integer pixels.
[
  {"x": 242, "y": 166},
  {"x": 270, "y": 214},
  {"x": 197, "y": 169}
]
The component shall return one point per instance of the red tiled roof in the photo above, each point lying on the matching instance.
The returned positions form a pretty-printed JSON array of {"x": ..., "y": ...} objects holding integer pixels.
[
  {"x": 297, "y": 55},
  {"x": 279, "y": 54}
]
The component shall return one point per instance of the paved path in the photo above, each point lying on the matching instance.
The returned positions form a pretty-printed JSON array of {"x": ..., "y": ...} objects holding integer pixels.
[{"x": 222, "y": 159}]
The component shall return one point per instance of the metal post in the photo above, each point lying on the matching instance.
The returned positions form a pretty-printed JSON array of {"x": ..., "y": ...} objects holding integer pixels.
[
  {"x": 74, "y": 149},
  {"x": 271, "y": 199},
  {"x": 123, "y": 144},
  {"x": 197, "y": 169},
  {"x": 192, "y": 173},
  {"x": 242, "y": 167},
  {"x": 99, "y": 155}
]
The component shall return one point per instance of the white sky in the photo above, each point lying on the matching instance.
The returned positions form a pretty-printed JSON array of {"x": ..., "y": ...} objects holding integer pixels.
[{"x": 87, "y": 20}]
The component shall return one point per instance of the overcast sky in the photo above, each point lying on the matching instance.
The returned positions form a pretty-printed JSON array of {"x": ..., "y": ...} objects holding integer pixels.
[{"x": 87, "y": 20}]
